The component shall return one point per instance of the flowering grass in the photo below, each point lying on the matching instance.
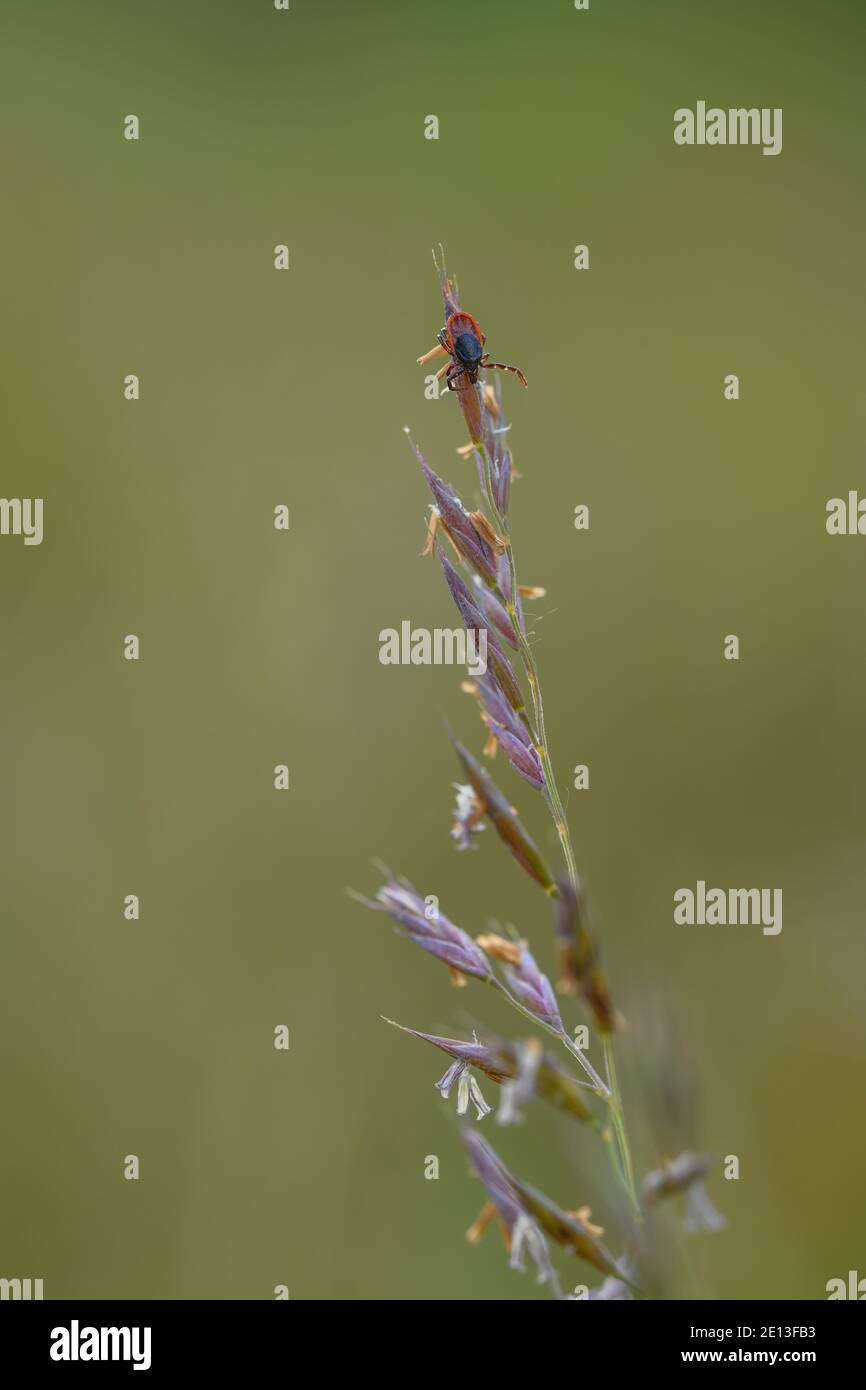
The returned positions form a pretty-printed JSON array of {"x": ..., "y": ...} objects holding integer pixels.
[{"x": 480, "y": 574}]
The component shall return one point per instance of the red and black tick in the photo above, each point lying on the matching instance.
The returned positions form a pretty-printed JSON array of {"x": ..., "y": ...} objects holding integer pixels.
[{"x": 463, "y": 342}]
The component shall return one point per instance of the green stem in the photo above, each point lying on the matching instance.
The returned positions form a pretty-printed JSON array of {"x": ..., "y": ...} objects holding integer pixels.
[
  {"x": 617, "y": 1116},
  {"x": 611, "y": 1091},
  {"x": 598, "y": 1085}
]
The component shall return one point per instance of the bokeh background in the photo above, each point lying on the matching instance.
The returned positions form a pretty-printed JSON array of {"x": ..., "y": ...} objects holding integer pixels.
[{"x": 155, "y": 1038}]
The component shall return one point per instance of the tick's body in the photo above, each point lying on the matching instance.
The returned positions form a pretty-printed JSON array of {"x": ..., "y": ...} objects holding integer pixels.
[{"x": 463, "y": 341}]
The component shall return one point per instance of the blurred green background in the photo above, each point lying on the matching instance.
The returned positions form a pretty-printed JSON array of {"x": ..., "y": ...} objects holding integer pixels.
[{"x": 258, "y": 647}]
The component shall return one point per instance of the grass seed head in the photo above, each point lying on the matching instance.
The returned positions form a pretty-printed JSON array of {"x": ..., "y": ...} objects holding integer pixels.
[
  {"x": 432, "y": 932},
  {"x": 505, "y": 821},
  {"x": 577, "y": 956}
]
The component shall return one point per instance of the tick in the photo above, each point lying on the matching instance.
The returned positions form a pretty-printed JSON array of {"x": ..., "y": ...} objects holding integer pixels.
[{"x": 462, "y": 341}]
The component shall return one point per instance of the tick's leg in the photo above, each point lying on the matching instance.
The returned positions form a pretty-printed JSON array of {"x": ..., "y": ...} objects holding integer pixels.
[
  {"x": 501, "y": 367},
  {"x": 449, "y": 367},
  {"x": 438, "y": 351},
  {"x": 458, "y": 370},
  {"x": 467, "y": 386}
]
